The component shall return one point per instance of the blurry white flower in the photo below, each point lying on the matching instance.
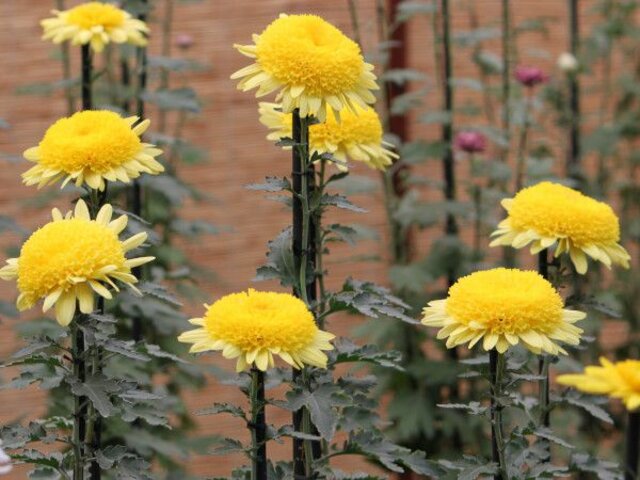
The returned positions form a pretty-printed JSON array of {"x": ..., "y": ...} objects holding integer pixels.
[
  {"x": 5, "y": 462},
  {"x": 567, "y": 62}
]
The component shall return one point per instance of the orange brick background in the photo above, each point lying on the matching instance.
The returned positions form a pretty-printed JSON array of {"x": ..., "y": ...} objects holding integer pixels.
[{"x": 239, "y": 154}]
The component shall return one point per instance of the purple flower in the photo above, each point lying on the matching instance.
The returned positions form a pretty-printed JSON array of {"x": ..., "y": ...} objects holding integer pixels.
[
  {"x": 530, "y": 76},
  {"x": 470, "y": 142},
  {"x": 184, "y": 41}
]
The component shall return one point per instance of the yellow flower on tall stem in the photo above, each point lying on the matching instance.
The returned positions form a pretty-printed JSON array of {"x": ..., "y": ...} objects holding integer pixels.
[
  {"x": 619, "y": 380},
  {"x": 72, "y": 257},
  {"x": 504, "y": 307},
  {"x": 357, "y": 136},
  {"x": 94, "y": 23},
  {"x": 549, "y": 213},
  {"x": 255, "y": 326},
  {"x": 311, "y": 64},
  {"x": 90, "y": 147}
]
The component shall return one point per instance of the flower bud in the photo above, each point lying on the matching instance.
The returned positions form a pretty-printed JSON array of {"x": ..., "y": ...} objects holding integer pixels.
[
  {"x": 470, "y": 142},
  {"x": 530, "y": 76},
  {"x": 568, "y": 63},
  {"x": 184, "y": 41}
]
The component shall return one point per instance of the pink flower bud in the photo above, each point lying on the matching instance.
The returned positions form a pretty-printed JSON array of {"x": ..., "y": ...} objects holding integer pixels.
[
  {"x": 470, "y": 142},
  {"x": 184, "y": 41},
  {"x": 530, "y": 76}
]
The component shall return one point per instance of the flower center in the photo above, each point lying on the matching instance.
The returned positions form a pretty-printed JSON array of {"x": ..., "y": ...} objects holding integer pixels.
[
  {"x": 304, "y": 50},
  {"x": 95, "y": 140},
  {"x": 94, "y": 14},
  {"x": 64, "y": 249},
  {"x": 256, "y": 320},
  {"x": 554, "y": 210},
  {"x": 505, "y": 301}
]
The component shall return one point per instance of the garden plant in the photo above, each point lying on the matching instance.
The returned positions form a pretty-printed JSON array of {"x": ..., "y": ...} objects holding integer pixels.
[{"x": 510, "y": 238}]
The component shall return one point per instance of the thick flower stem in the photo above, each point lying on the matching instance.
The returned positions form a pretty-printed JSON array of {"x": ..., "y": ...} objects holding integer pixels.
[
  {"x": 632, "y": 457},
  {"x": 82, "y": 409},
  {"x": 258, "y": 427},
  {"x": 451, "y": 226},
  {"x": 79, "y": 411},
  {"x": 496, "y": 372},
  {"x": 573, "y": 154},
  {"x": 303, "y": 247},
  {"x": 86, "y": 80},
  {"x": 544, "y": 361},
  {"x": 93, "y": 437}
]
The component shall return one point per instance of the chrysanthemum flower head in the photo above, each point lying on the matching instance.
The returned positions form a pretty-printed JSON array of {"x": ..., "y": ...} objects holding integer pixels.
[
  {"x": 617, "y": 380},
  {"x": 549, "y": 212},
  {"x": 95, "y": 23},
  {"x": 357, "y": 136},
  {"x": 311, "y": 64},
  {"x": 90, "y": 147},
  {"x": 254, "y": 326},
  {"x": 504, "y": 307},
  {"x": 72, "y": 257}
]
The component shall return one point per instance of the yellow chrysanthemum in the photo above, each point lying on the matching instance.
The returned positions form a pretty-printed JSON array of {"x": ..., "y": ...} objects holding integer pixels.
[
  {"x": 311, "y": 63},
  {"x": 90, "y": 147},
  {"x": 503, "y": 307},
  {"x": 254, "y": 326},
  {"x": 95, "y": 23},
  {"x": 355, "y": 137},
  {"x": 72, "y": 257},
  {"x": 616, "y": 380},
  {"x": 548, "y": 213}
]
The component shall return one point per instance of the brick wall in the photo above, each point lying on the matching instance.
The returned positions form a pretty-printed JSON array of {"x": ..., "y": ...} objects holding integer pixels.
[{"x": 239, "y": 154}]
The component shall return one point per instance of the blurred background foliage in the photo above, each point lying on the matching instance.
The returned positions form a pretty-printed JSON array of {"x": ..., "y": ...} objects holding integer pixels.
[{"x": 436, "y": 225}]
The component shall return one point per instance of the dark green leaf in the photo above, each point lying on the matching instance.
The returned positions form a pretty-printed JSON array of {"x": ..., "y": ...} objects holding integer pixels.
[
  {"x": 98, "y": 389},
  {"x": 271, "y": 184},
  {"x": 280, "y": 263},
  {"x": 339, "y": 201}
]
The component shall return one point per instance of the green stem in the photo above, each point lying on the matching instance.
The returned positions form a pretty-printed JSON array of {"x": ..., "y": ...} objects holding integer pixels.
[
  {"x": 497, "y": 364},
  {"x": 319, "y": 246},
  {"x": 303, "y": 197},
  {"x": 521, "y": 166},
  {"x": 544, "y": 362},
  {"x": 79, "y": 414},
  {"x": 302, "y": 236},
  {"x": 93, "y": 435},
  {"x": 476, "y": 195}
]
